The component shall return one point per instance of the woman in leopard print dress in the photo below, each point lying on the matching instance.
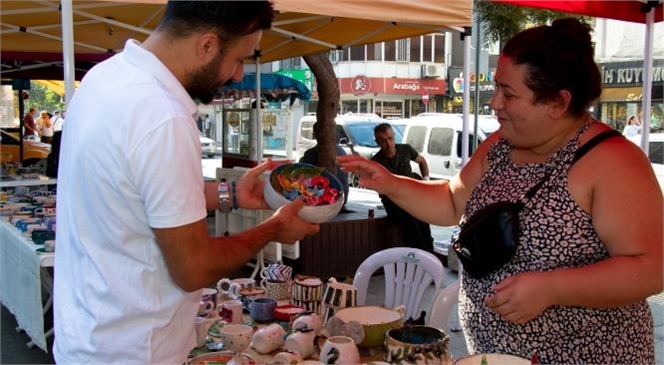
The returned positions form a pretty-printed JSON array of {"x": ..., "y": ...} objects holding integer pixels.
[{"x": 575, "y": 290}]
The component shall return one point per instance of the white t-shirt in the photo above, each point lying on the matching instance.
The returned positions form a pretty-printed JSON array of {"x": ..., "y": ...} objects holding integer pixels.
[
  {"x": 57, "y": 123},
  {"x": 134, "y": 166}
]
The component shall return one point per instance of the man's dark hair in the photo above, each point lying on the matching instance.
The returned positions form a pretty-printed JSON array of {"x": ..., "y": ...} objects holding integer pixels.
[
  {"x": 382, "y": 127},
  {"x": 230, "y": 20}
]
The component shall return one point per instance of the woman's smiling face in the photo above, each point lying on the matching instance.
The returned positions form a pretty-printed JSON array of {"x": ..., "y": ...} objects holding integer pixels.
[{"x": 523, "y": 122}]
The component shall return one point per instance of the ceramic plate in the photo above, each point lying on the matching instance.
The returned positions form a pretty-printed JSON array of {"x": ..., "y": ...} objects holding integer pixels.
[
  {"x": 42, "y": 251},
  {"x": 214, "y": 329},
  {"x": 493, "y": 359},
  {"x": 221, "y": 357}
]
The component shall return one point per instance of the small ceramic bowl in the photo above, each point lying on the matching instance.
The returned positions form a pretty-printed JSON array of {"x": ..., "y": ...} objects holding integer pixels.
[
  {"x": 286, "y": 311},
  {"x": 375, "y": 321},
  {"x": 310, "y": 213}
]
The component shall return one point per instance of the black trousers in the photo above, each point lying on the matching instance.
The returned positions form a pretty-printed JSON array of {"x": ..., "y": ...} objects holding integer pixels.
[{"x": 415, "y": 233}]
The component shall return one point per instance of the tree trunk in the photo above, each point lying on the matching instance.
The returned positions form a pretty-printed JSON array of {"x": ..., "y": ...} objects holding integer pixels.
[{"x": 328, "y": 105}]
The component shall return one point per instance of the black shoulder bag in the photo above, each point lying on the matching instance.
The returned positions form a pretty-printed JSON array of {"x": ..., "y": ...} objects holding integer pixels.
[{"x": 488, "y": 239}]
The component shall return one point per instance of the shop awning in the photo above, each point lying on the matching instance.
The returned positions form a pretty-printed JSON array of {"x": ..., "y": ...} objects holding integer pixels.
[
  {"x": 274, "y": 87},
  {"x": 56, "y": 86}
]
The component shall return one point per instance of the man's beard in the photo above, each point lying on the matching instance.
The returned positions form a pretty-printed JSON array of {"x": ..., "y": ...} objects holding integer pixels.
[{"x": 201, "y": 83}]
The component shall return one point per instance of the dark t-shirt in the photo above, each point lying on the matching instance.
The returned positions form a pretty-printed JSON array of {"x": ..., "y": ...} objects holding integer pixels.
[
  {"x": 400, "y": 163},
  {"x": 30, "y": 125}
]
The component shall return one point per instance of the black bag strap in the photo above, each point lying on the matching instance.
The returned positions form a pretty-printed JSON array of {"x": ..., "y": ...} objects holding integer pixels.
[{"x": 580, "y": 152}]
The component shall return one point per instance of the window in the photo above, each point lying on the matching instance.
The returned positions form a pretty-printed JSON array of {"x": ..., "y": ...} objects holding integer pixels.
[
  {"x": 415, "y": 49},
  {"x": 348, "y": 106},
  {"x": 294, "y": 63},
  {"x": 471, "y": 144},
  {"x": 335, "y": 56},
  {"x": 416, "y": 136},
  {"x": 307, "y": 130},
  {"x": 427, "y": 48},
  {"x": 357, "y": 53},
  {"x": 374, "y": 52},
  {"x": 390, "y": 51},
  {"x": 656, "y": 152},
  {"x": 440, "y": 142},
  {"x": 402, "y": 50},
  {"x": 438, "y": 48}
]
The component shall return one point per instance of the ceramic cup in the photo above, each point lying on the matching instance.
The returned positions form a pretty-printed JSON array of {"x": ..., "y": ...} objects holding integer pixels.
[
  {"x": 231, "y": 311},
  {"x": 308, "y": 293},
  {"x": 209, "y": 294},
  {"x": 230, "y": 289},
  {"x": 339, "y": 350},
  {"x": 202, "y": 325},
  {"x": 268, "y": 339},
  {"x": 262, "y": 309},
  {"x": 417, "y": 345},
  {"x": 287, "y": 358},
  {"x": 49, "y": 245},
  {"x": 204, "y": 308},
  {"x": 277, "y": 289},
  {"x": 338, "y": 295},
  {"x": 304, "y": 342},
  {"x": 277, "y": 271},
  {"x": 308, "y": 320}
]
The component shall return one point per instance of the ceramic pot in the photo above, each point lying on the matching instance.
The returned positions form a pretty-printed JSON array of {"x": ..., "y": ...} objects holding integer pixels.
[
  {"x": 339, "y": 350},
  {"x": 417, "y": 345},
  {"x": 374, "y": 321}
]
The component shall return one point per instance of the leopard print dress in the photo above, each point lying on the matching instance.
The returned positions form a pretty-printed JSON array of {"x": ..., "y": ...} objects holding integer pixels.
[{"x": 555, "y": 233}]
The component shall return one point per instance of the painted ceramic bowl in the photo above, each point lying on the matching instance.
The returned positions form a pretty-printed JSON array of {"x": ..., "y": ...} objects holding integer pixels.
[
  {"x": 321, "y": 191},
  {"x": 417, "y": 345},
  {"x": 375, "y": 321}
]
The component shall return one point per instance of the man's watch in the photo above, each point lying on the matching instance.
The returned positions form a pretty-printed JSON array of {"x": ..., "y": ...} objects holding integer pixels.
[{"x": 224, "y": 196}]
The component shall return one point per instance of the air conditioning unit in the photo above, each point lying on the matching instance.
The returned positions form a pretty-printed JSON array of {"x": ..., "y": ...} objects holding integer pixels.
[{"x": 432, "y": 70}]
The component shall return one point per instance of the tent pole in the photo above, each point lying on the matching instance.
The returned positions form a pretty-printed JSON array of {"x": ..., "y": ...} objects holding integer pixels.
[
  {"x": 259, "y": 111},
  {"x": 68, "y": 48},
  {"x": 647, "y": 82},
  {"x": 466, "y": 37}
]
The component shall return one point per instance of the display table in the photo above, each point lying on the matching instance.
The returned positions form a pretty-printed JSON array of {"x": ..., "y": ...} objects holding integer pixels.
[
  {"x": 22, "y": 274},
  {"x": 12, "y": 181}
]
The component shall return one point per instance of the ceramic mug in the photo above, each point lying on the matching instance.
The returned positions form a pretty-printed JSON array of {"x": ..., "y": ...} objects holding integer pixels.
[
  {"x": 204, "y": 307},
  {"x": 209, "y": 295},
  {"x": 277, "y": 271},
  {"x": 339, "y": 350},
  {"x": 308, "y": 292},
  {"x": 338, "y": 295},
  {"x": 231, "y": 311},
  {"x": 262, "y": 309},
  {"x": 230, "y": 289},
  {"x": 49, "y": 245},
  {"x": 304, "y": 342},
  {"x": 308, "y": 320},
  {"x": 287, "y": 358},
  {"x": 277, "y": 289},
  {"x": 202, "y": 325},
  {"x": 268, "y": 339}
]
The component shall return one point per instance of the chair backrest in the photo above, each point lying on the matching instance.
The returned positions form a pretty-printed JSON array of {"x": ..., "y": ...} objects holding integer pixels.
[
  {"x": 442, "y": 305},
  {"x": 408, "y": 274}
]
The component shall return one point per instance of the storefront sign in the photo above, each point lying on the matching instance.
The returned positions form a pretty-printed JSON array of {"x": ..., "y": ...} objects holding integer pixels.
[
  {"x": 360, "y": 85},
  {"x": 485, "y": 79},
  {"x": 304, "y": 76},
  {"x": 630, "y": 72}
]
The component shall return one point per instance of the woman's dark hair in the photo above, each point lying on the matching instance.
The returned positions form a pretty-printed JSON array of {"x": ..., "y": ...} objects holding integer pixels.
[
  {"x": 558, "y": 57},
  {"x": 230, "y": 20}
]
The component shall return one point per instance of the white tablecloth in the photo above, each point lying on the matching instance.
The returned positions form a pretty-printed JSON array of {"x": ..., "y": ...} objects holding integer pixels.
[{"x": 20, "y": 281}]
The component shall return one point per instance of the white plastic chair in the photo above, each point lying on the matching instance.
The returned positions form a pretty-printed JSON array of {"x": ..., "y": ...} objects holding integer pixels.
[
  {"x": 408, "y": 274},
  {"x": 442, "y": 306}
]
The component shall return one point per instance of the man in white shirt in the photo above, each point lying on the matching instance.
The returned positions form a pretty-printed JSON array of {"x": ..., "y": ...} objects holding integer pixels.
[
  {"x": 133, "y": 246},
  {"x": 57, "y": 120}
]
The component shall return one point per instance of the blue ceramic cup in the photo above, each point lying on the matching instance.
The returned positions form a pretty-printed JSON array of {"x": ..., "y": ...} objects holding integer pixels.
[{"x": 262, "y": 309}]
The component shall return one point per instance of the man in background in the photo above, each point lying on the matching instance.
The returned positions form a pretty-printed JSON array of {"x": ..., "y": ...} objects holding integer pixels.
[{"x": 396, "y": 158}]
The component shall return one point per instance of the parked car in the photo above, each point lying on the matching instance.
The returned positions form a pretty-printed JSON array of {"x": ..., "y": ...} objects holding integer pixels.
[
  {"x": 209, "y": 148},
  {"x": 437, "y": 137},
  {"x": 655, "y": 153},
  {"x": 354, "y": 134},
  {"x": 34, "y": 151}
]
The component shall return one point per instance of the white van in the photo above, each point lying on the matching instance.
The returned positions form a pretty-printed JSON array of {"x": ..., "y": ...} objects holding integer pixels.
[
  {"x": 437, "y": 137},
  {"x": 655, "y": 153},
  {"x": 355, "y": 134}
]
